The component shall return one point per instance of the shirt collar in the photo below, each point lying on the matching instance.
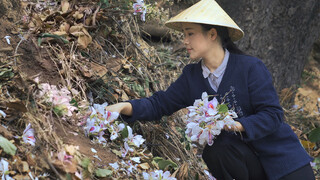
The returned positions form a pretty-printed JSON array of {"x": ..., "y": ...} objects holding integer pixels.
[{"x": 219, "y": 71}]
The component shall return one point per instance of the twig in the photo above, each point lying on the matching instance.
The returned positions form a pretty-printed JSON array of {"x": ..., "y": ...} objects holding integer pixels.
[
  {"x": 51, "y": 166},
  {"x": 95, "y": 15},
  {"x": 15, "y": 52},
  {"x": 134, "y": 44}
]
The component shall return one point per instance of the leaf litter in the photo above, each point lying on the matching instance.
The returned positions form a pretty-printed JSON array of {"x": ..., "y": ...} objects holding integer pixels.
[{"x": 66, "y": 56}]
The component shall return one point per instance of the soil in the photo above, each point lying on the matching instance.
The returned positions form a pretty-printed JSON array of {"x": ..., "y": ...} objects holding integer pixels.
[
  {"x": 74, "y": 136},
  {"x": 33, "y": 61}
]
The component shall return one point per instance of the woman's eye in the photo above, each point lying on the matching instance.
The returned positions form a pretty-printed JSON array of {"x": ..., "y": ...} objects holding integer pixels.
[{"x": 190, "y": 34}]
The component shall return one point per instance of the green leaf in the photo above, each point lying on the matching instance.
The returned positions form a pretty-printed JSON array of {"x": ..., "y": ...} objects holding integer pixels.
[
  {"x": 314, "y": 135},
  {"x": 74, "y": 103},
  {"x": 7, "y": 146},
  {"x": 6, "y": 73},
  {"x": 85, "y": 163},
  {"x": 124, "y": 132},
  {"x": 116, "y": 152},
  {"x": 223, "y": 108},
  {"x": 164, "y": 164},
  {"x": 103, "y": 172}
]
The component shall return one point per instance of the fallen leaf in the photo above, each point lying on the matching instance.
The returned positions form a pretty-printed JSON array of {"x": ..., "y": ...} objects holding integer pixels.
[
  {"x": 77, "y": 15},
  {"x": 7, "y": 146},
  {"x": 103, "y": 172},
  {"x": 84, "y": 41},
  {"x": 65, "y": 6},
  {"x": 124, "y": 96},
  {"x": 70, "y": 149},
  {"x": 60, "y": 33},
  {"x": 99, "y": 70},
  {"x": 17, "y": 105},
  {"x": 307, "y": 144},
  {"x": 75, "y": 28},
  {"x": 144, "y": 166}
]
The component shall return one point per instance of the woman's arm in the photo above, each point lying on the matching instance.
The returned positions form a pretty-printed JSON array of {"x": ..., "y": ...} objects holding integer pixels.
[{"x": 122, "y": 108}]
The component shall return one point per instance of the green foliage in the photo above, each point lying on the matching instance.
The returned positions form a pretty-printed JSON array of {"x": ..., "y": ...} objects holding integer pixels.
[
  {"x": 164, "y": 164},
  {"x": 85, "y": 163},
  {"x": 124, "y": 132},
  {"x": 7, "y": 146},
  {"x": 314, "y": 135},
  {"x": 74, "y": 103},
  {"x": 222, "y": 108},
  {"x": 6, "y": 73},
  {"x": 103, "y": 172}
]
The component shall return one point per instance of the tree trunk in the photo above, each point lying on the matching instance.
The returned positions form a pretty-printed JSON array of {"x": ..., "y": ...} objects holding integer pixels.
[{"x": 280, "y": 32}]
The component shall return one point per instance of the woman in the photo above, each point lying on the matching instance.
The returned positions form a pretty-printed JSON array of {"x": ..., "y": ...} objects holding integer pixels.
[{"x": 266, "y": 148}]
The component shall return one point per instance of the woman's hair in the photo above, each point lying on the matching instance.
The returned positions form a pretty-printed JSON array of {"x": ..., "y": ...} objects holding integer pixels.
[{"x": 223, "y": 33}]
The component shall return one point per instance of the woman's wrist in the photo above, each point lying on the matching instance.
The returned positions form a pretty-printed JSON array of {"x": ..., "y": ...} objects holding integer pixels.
[{"x": 126, "y": 108}]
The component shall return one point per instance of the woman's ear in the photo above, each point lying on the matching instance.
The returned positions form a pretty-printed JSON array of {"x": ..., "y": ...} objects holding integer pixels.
[{"x": 213, "y": 34}]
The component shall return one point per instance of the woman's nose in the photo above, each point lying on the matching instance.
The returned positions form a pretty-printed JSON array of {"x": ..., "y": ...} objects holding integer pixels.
[{"x": 185, "y": 41}]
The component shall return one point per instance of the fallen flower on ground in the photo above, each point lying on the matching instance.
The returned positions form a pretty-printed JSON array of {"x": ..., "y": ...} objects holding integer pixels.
[
  {"x": 4, "y": 169},
  {"x": 158, "y": 175},
  {"x": 28, "y": 135}
]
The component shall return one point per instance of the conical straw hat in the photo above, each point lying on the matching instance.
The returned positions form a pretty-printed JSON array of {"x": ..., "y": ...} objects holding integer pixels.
[{"x": 206, "y": 12}]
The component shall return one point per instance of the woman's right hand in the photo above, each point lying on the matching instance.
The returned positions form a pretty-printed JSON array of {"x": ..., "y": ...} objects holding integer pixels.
[{"x": 122, "y": 108}]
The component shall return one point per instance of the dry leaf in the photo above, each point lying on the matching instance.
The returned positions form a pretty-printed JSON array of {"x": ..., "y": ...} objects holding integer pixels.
[
  {"x": 84, "y": 41},
  {"x": 25, "y": 166},
  {"x": 144, "y": 166},
  {"x": 124, "y": 96},
  {"x": 98, "y": 69},
  {"x": 70, "y": 149},
  {"x": 17, "y": 105},
  {"x": 77, "y": 28},
  {"x": 77, "y": 15},
  {"x": 65, "y": 6},
  {"x": 60, "y": 33},
  {"x": 64, "y": 27},
  {"x": 307, "y": 144}
]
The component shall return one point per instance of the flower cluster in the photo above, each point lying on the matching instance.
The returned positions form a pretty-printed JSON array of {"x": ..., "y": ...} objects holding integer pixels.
[
  {"x": 206, "y": 119},
  {"x": 158, "y": 175},
  {"x": 139, "y": 7},
  {"x": 60, "y": 99},
  {"x": 101, "y": 121}
]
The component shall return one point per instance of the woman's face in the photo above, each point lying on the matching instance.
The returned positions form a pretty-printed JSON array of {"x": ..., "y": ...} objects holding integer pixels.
[{"x": 197, "y": 42}]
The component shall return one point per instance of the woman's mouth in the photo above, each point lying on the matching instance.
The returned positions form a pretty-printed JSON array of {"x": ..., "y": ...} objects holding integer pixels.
[{"x": 189, "y": 50}]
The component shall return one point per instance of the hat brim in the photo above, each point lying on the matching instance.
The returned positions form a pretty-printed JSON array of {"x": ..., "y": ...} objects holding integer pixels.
[
  {"x": 206, "y": 12},
  {"x": 234, "y": 33}
]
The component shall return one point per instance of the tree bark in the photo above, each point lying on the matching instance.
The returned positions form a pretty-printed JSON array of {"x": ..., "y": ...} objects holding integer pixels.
[{"x": 279, "y": 32}]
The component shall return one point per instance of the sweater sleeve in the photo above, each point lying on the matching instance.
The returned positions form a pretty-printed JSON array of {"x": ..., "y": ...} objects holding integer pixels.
[
  {"x": 162, "y": 102},
  {"x": 267, "y": 113}
]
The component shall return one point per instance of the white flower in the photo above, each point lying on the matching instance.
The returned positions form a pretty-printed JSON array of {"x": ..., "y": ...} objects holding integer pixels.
[
  {"x": 157, "y": 175},
  {"x": 205, "y": 122},
  {"x": 4, "y": 168},
  {"x": 135, "y": 159},
  {"x": 114, "y": 130},
  {"x": 136, "y": 140},
  {"x": 126, "y": 149},
  {"x": 115, "y": 165},
  {"x": 2, "y": 114},
  {"x": 28, "y": 135}
]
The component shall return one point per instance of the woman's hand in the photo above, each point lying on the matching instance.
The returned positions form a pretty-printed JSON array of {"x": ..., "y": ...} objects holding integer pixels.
[
  {"x": 122, "y": 108},
  {"x": 237, "y": 127}
]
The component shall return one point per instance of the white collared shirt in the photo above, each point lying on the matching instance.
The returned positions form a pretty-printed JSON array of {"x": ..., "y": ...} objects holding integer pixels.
[{"x": 215, "y": 77}]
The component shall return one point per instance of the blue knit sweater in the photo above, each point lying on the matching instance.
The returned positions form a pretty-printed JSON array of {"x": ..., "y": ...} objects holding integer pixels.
[{"x": 246, "y": 86}]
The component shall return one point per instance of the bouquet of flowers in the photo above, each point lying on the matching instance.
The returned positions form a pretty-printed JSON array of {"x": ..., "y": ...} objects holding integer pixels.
[{"x": 206, "y": 119}]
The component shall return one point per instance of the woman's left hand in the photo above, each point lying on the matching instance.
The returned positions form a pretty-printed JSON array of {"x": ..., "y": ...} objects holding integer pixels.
[{"x": 237, "y": 127}]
